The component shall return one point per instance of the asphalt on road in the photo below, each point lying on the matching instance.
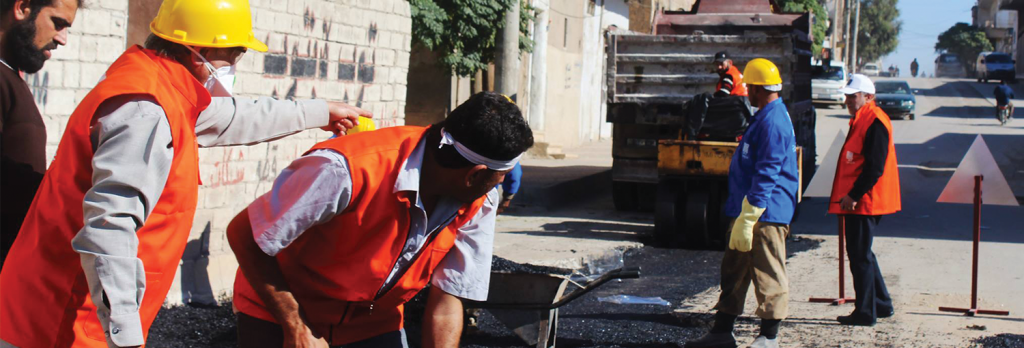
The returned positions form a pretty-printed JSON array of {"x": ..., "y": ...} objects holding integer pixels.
[{"x": 950, "y": 113}]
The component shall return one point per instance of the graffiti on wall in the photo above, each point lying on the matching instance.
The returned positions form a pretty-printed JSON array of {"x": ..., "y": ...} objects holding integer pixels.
[
  {"x": 225, "y": 172},
  {"x": 38, "y": 85}
]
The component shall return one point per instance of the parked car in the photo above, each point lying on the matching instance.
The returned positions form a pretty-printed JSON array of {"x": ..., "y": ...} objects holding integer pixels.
[
  {"x": 895, "y": 98},
  {"x": 826, "y": 82},
  {"x": 995, "y": 66},
  {"x": 870, "y": 69},
  {"x": 949, "y": 65}
]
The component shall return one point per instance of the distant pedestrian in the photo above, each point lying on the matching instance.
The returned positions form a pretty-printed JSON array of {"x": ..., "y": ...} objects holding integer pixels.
[
  {"x": 913, "y": 68},
  {"x": 866, "y": 186},
  {"x": 31, "y": 30},
  {"x": 763, "y": 183}
]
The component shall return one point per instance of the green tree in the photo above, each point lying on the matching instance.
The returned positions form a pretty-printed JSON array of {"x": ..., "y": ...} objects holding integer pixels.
[
  {"x": 879, "y": 30},
  {"x": 464, "y": 32},
  {"x": 819, "y": 26},
  {"x": 965, "y": 41}
]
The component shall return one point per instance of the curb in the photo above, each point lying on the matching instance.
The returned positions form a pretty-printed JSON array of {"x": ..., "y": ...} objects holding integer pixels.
[{"x": 556, "y": 195}]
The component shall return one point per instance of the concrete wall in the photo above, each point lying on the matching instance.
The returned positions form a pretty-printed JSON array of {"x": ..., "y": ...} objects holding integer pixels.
[
  {"x": 353, "y": 51},
  {"x": 564, "y": 72}
]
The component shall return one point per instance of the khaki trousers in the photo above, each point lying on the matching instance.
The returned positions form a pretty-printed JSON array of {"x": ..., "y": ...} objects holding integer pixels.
[{"x": 765, "y": 266}]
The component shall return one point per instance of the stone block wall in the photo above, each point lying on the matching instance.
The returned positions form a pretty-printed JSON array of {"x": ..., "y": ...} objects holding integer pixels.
[{"x": 356, "y": 51}]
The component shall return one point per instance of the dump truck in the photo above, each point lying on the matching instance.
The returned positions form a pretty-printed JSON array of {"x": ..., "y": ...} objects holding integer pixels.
[{"x": 652, "y": 81}]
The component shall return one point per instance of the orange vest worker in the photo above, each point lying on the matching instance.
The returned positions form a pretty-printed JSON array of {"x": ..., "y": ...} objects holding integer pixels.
[
  {"x": 340, "y": 291},
  {"x": 738, "y": 88},
  {"x": 884, "y": 197},
  {"x": 45, "y": 300}
]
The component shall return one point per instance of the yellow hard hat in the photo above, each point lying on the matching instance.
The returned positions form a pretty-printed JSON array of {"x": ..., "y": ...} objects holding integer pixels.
[
  {"x": 762, "y": 72},
  {"x": 207, "y": 23},
  {"x": 365, "y": 125}
]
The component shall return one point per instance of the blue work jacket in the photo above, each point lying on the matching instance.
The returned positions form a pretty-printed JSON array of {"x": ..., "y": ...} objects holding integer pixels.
[{"x": 764, "y": 167}]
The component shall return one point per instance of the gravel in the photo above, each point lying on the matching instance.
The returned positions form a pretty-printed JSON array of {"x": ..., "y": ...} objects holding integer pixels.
[
  {"x": 671, "y": 274},
  {"x": 1000, "y": 341}
]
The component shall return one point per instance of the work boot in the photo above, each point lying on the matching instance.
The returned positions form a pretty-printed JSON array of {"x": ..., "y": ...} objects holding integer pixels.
[
  {"x": 765, "y": 342},
  {"x": 855, "y": 320},
  {"x": 713, "y": 340}
]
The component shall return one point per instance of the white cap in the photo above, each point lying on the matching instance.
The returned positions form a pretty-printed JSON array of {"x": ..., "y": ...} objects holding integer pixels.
[{"x": 858, "y": 83}]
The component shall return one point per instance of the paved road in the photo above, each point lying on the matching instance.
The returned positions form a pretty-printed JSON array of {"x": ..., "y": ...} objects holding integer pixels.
[{"x": 924, "y": 250}]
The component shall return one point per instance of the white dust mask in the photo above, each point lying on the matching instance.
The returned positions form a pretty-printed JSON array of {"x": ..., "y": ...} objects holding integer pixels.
[{"x": 221, "y": 80}]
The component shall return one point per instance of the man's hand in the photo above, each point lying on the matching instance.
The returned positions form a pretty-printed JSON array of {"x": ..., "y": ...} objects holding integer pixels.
[
  {"x": 505, "y": 202},
  {"x": 847, "y": 203},
  {"x": 343, "y": 117},
  {"x": 300, "y": 336}
]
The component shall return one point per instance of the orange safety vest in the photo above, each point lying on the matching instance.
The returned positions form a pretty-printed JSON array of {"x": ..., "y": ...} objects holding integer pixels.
[
  {"x": 884, "y": 197},
  {"x": 738, "y": 88},
  {"x": 336, "y": 269},
  {"x": 45, "y": 300}
]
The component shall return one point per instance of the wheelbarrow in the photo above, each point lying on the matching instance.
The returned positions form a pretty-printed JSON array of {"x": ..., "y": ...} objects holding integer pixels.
[{"x": 528, "y": 303}]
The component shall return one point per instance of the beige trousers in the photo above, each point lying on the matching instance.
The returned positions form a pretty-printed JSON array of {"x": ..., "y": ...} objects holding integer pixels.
[{"x": 765, "y": 266}]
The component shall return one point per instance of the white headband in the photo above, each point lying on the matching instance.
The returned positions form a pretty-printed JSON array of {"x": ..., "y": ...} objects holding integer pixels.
[{"x": 475, "y": 158}]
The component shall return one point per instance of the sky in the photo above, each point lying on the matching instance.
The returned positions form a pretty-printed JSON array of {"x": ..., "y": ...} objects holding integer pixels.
[{"x": 923, "y": 21}]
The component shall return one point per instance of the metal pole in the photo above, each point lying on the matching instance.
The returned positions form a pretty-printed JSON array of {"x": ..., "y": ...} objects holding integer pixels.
[
  {"x": 846, "y": 48},
  {"x": 856, "y": 32},
  {"x": 977, "y": 240}
]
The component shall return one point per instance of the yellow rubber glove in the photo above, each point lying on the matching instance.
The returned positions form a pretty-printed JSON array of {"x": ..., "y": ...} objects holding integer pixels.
[{"x": 742, "y": 237}]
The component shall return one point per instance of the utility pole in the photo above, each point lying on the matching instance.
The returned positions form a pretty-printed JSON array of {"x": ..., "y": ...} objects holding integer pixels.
[
  {"x": 507, "y": 62},
  {"x": 846, "y": 33},
  {"x": 856, "y": 33},
  {"x": 539, "y": 68}
]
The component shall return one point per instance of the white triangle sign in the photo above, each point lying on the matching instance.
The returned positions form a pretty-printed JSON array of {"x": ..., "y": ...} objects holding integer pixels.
[
  {"x": 978, "y": 161},
  {"x": 821, "y": 183}
]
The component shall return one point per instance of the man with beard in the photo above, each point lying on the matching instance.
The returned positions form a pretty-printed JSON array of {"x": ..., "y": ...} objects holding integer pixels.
[
  {"x": 730, "y": 80},
  {"x": 29, "y": 30},
  {"x": 99, "y": 248}
]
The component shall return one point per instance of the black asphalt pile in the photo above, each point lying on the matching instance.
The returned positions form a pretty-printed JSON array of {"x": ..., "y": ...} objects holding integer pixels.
[
  {"x": 1000, "y": 341},
  {"x": 499, "y": 264},
  {"x": 194, "y": 327},
  {"x": 674, "y": 275}
]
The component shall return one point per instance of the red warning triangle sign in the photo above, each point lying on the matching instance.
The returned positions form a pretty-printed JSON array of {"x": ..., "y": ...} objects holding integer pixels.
[{"x": 978, "y": 161}]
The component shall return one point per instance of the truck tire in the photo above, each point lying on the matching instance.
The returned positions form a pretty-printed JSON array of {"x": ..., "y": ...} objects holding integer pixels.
[
  {"x": 668, "y": 209},
  {"x": 624, "y": 195},
  {"x": 646, "y": 196},
  {"x": 696, "y": 216}
]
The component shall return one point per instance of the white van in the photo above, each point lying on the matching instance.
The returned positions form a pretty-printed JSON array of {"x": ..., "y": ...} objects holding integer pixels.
[
  {"x": 995, "y": 66},
  {"x": 870, "y": 69},
  {"x": 826, "y": 82}
]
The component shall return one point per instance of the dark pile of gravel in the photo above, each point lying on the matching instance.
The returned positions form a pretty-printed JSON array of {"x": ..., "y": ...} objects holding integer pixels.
[
  {"x": 194, "y": 327},
  {"x": 499, "y": 264},
  {"x": 672, "y": 274},
  {"x": 1000, "y": 341}
]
